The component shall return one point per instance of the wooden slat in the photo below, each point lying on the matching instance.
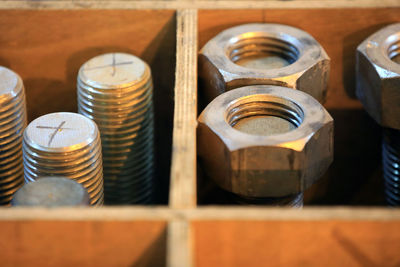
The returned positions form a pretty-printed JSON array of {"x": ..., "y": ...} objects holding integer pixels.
[
  {"x": 183, "y": 169},
  {"x": 222, "y": 236},
  {"x": 83, "y": 243},
  {"x": 200, "y": 213},
  {"x": 179, "y": 244},
  {"x": 106, "y": 213},
  {"x": 252, "y": 213},
  {"x": 184, "y": 4},
  {"x": 296, "y": 243}
]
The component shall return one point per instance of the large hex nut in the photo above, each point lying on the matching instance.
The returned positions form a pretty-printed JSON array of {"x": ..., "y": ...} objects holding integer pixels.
[
  {"x": 219, "y": 71},
  {"x": 265, "y": 166},
  {"x": 378, "y": 76}
]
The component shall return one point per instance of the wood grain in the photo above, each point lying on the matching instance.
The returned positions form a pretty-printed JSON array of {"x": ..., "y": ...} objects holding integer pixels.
[
  {"x": 296, "y": 243},
  {"x": 161, "y": 213},
  {"x": 212, "y": 236},
  {"x": 82, "y": 243},
  {"x": 179, "y": 244},
  {"x": 183, "y": 169}
]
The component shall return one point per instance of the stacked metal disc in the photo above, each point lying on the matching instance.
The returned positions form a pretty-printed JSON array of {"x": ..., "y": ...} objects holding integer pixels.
[
  {"x": 115, "y": 90},
  {"x": 12, "y": 124},
  {"x": 51, "y": 192},
  {"x": 65, "y": 144}
]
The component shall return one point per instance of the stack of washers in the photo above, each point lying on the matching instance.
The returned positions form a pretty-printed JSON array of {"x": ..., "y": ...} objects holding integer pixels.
[
  {"x": 68, "y": 145},
  {"x": 12, "y": 124},
  {"x": 115, "y": 90}
]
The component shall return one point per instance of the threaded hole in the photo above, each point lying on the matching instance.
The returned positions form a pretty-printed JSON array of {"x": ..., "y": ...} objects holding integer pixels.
[
  {"x": 264, "y": 115},
  {"x": 394, "y": 52},
  {"x": 263, "y": 53}
]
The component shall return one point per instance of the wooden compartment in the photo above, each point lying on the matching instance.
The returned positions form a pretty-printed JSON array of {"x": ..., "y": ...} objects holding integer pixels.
[
  {"x": 47, "y": 48},
  {"x": 47, "y": 41},
  {"x": 355, "y": 176}
]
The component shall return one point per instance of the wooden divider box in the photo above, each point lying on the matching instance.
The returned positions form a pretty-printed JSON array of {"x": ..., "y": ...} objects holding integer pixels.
[{"x": 47, "y": 41}]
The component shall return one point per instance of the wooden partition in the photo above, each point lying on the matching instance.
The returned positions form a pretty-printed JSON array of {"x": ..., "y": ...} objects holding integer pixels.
[{"x": 47, "y": 41}]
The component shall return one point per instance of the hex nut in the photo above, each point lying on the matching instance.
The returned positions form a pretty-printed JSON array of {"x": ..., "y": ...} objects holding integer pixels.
[
  {"x": 378, "y": 76},
  {"x": 308, "y": 68},
  {"x": 265, "y": 166}
]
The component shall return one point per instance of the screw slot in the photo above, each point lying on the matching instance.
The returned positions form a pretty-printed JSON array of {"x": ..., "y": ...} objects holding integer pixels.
[{"x": 263, "y": 52}]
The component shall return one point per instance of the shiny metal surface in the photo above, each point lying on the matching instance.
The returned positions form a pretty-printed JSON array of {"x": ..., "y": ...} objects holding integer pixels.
[
  {"x": 116, "y": 90},
  {"x": 276, "y": 165},
  {"x": 13, "y": 120},
  {"x": 378, "y": 76},
  {"x": 65, "y": 144},
  {"x": 51, "y": 192},
  {"x": 263, "y": 53},
  {"x": 391, "y": 165},
  {"x": 378, "y": 84}
]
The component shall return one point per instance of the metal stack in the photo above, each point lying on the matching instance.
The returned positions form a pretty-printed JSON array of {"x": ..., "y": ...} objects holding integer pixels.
[
  {"x": 12, "y": 124},
  {"x": 51, "y": 192},
  {"x": 391, "y": 165},
  {"x": 65, "y": 144},
  {"x": 115, "y": 90}
]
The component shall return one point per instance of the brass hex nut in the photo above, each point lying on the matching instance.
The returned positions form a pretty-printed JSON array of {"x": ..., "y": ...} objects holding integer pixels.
[
  {"x": 220, "y": 71},
  {"x": 274, "y": 165},
  {"x": 378, "y": 76}
]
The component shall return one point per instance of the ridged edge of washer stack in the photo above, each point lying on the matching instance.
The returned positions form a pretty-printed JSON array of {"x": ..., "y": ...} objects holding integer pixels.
[
  {"x": 81, "y": 162},
  {"x": 122, "y": 107},
  {"x": 13, "y": 120}
]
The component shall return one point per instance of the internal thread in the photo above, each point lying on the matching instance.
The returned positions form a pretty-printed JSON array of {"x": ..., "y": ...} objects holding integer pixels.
[
  {"x": 263, "y": 47},
  {"x": 394, "y": 51},
  {"x": 294, "y": 201},
  {"x": 391, "y": 165},
  {"x": 264, "y": 105}
]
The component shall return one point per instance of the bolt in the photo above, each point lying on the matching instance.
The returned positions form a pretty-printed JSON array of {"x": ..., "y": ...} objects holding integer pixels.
[
  {"x": 65, "y": 144},
  {"x": 12, "y": 123},
  {"x": 378, "y": 85},
  {"x": 115, "y": 90},
  {"x": 285, "y": 146}
]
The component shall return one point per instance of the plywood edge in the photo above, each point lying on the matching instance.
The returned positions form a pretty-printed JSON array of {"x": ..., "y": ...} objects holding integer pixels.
[
  {"x": 179, "y": 244},
  {"x": 183, "y": 169},
  {"x": 289, "y": 214},
  {"x": 87, "y": 214},
  {"x": 183, "y": 4}
]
